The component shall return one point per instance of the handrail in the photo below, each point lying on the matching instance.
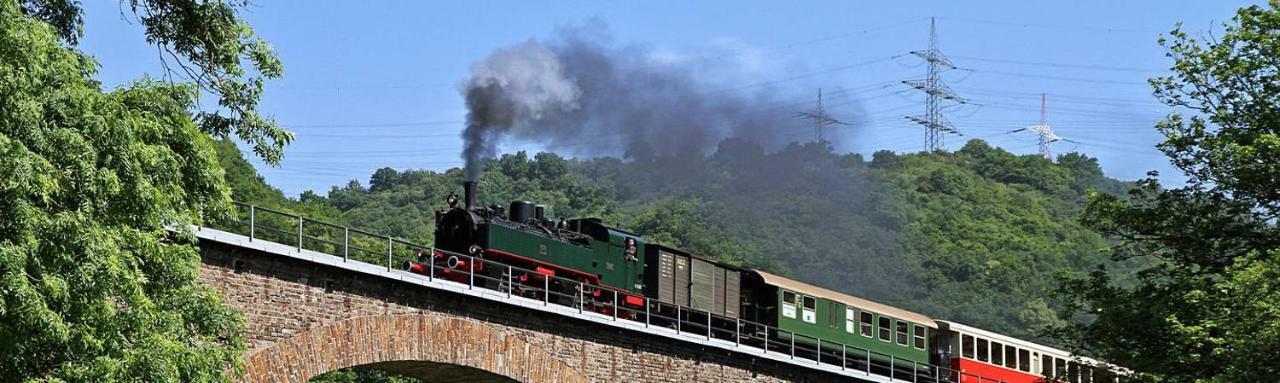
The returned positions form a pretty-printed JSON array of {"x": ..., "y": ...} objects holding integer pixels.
[{"x": 744, "y": 332}]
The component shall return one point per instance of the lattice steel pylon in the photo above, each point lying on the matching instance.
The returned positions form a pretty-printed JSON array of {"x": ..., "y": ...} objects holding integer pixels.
[
  {"x": 820, "y": 119},
  {"x": 1044, "y": 133},
  {"x": 936, "y": 92}
]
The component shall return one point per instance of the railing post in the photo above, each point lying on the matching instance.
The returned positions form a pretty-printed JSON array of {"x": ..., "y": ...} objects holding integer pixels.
[
  {"x": 793, "y": 345},
  {"x": 844, "y": 356},
  {"x": 346, "y": 244},
  {"x": 915, "y": 374},
  {"x": 708, "y": 326},
  {"x": 737, "y": 331},
  {"x": 299, "y": 234},
  {"x": 388, "y": 253},
  {"x": 252, "y": 224},
  {"x": 546, "y": 290},
  {"x": 766, "y": 340},
  {"x": 679, "y": 319},
  {"x": 893, "y": 363},
  {"x": 615, "y": 305},
  {"x": 582, "y": 296},
  {"x": 510, "y": 285},
  {"x": 819, "y": 358},
  {"x": 471, "y": 273},
  {"x": 868, "y": 361},
  {"x": 646, "y": 313}
]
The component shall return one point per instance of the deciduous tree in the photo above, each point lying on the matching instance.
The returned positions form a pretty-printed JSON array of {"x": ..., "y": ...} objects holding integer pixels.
[
  {"x": 1208, "y": 308},
  {"x": 93, "y": 285}
]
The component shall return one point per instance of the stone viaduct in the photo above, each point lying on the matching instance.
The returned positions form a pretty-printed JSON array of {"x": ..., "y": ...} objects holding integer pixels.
[{"x": 308, "y": 313}]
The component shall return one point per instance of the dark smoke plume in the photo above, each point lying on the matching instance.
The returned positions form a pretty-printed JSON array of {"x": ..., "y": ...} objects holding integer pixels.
[
  {"x": 577, "y": 94},
  {"x": 515, "y": 86}
]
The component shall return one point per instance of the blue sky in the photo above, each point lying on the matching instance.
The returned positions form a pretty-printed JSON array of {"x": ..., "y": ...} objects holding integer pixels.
[{"x": 374, "y": 85}]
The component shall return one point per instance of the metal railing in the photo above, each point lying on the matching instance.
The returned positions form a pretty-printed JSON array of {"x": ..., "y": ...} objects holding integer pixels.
[{"x": 355, "y": 245}]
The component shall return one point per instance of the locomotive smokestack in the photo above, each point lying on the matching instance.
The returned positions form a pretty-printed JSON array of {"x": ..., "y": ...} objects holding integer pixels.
[{"x": 469, "y": 194}]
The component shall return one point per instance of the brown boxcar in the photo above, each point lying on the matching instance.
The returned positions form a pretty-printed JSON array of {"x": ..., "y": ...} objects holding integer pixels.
[{"x": 687, "y": 280}]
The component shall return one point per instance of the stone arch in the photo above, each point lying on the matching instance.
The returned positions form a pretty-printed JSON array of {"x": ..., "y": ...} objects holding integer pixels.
[{"x": 420, "y": 342}]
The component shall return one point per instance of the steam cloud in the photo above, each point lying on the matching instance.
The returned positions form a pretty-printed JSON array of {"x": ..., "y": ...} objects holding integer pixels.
[{"x": 578, "y": 94}]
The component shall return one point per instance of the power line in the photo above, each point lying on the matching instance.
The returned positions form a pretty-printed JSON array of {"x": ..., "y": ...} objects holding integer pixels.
[
  {"x": 1052, "y": 26},
  {"x": 1060, "y": 78},
  {"x": 814, "y": 41},
  {"x": 376, "y": 125},
  {"x": 1061, "y": 65}
]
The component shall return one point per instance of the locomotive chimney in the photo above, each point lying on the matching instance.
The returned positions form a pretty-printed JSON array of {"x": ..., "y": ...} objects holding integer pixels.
[{"x": 469, "y": 194}]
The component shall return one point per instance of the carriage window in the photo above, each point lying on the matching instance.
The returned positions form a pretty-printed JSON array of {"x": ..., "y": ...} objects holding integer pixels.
[
  {"x": 1024, "y": 360},
  {"x": 1086, "y": 374},
  {"x": 788, "y": 304},
  {"x": 1046, "y": 366},
  {"x": 919, "y": 337},
  {"x": 966, "y": 346},
  {"x": 866, "y": 324},
  {"x": 1073, "y": 372},
  {"x": 885, "y": 331},
  {"x": 810, "y": 309},
  {"x": 1059, "y": 368},
  {"x": 1010, "y": 356},
  {"x": 982, "y": 349},
  {"x": 902, "y": 332},
  {"x": 997, "y": 354},
  {"x": 848, "y": 320}
]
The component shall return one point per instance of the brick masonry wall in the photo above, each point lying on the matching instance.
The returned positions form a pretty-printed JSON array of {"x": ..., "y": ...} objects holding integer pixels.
[{"x": 303, "y": 319}]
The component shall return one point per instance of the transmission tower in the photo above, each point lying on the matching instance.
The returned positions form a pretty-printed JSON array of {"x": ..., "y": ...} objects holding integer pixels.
[
  {"x": 1044, "y": 133},
  {"x": 820, "y": 119},
  {"x": 937, "y": 92}
]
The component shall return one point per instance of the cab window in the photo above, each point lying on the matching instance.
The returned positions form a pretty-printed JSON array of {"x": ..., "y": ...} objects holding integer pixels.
[
  {"x": 885, "y": 331},
  {"x": 902, "y": 332}
]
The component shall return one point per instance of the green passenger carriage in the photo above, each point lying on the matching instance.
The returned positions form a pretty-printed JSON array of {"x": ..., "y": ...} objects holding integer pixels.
[{"x": 812, "y": 314}]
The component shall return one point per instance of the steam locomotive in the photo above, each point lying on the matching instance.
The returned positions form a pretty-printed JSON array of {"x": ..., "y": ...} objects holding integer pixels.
[{"x": 586, "y": 263}]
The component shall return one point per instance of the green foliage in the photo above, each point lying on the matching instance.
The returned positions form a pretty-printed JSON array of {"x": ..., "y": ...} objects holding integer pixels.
[
  {"x": 1206, "y": 309},
  {"x": 986, "y": 252},
  {"x": 207, "y": 43},
  {"x": 93, "y": 288}
]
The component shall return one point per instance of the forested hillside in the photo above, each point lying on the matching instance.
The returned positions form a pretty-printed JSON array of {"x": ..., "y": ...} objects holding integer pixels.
[{"x": 978, "y": 235}]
